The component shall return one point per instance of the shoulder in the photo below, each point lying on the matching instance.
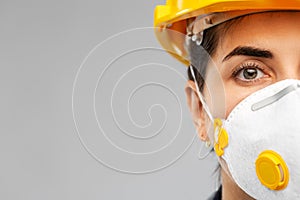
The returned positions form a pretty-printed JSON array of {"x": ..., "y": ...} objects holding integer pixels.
[{"x": 216, "y": 195}]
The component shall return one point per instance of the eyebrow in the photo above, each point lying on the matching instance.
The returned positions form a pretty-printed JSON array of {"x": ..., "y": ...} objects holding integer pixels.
[{"x": 248, "y": 51}]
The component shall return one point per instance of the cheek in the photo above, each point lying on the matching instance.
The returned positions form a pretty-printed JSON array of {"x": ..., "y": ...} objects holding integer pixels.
[
  {"x": 234, "y": 94},
  {"x": 214, "y": 92},
  {"x": 215, "y": 99},
  {"x": 232, "y": 99},
  {"x": 223, "y": 93}
]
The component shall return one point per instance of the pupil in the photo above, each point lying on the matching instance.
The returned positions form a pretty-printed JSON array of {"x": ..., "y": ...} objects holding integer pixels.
[{"x": 250, "y": 73}]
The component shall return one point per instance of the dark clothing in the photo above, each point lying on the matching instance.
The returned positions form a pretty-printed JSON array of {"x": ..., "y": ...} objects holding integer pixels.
[{"x": 216, "y": 195}]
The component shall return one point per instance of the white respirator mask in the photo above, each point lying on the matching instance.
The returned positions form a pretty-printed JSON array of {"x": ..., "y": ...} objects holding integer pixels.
[{"x": 260, "y": 141}]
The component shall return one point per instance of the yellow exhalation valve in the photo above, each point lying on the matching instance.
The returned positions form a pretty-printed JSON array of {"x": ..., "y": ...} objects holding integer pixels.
[
  {"x": 272, "y": 170},
  {"x": 221, "y": 137}
]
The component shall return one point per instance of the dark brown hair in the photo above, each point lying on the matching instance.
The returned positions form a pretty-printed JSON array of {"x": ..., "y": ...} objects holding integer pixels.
[{"x": 200, "y": 55}]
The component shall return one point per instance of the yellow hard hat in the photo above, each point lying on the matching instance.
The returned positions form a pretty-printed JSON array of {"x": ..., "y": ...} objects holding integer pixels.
[{"x": 171, "y": 20}]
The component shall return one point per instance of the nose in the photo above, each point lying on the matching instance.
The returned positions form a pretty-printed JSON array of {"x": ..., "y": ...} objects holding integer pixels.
[{"x": 289, "y": 72}]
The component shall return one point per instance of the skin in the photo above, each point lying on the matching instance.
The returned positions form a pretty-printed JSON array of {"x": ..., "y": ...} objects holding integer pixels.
[{"x": 276, "y": 33}]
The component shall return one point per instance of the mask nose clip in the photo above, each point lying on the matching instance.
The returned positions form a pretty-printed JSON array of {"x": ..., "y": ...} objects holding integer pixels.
[{"x": 270, "y": 100}]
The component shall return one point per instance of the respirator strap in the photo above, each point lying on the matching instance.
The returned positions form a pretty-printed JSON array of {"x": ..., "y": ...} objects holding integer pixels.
[{"x": 205, "y": 107}]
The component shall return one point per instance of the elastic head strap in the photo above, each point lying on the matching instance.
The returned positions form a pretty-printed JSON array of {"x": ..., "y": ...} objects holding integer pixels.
[{"x": 205, "y": 107}]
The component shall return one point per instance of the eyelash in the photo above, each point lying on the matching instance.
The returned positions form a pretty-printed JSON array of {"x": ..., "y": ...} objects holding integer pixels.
[{"x": 249, "y": 65}]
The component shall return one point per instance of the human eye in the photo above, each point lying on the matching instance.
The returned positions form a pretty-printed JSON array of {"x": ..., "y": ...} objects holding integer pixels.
[{"x": 249, "y": 72}]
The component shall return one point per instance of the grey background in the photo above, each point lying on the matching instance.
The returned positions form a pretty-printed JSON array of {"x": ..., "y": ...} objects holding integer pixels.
[{"x": 42, "y": 46}]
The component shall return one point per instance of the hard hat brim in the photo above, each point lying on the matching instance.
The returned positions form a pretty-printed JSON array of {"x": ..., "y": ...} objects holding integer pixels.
[{"x": 172, "y": 17}]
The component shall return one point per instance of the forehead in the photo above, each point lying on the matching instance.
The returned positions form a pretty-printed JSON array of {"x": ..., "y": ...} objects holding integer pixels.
[{"x": 265, "y": 30}]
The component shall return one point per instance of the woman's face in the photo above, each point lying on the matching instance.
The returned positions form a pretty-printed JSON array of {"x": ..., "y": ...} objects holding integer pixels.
[{"x": 259, "y": 50}]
